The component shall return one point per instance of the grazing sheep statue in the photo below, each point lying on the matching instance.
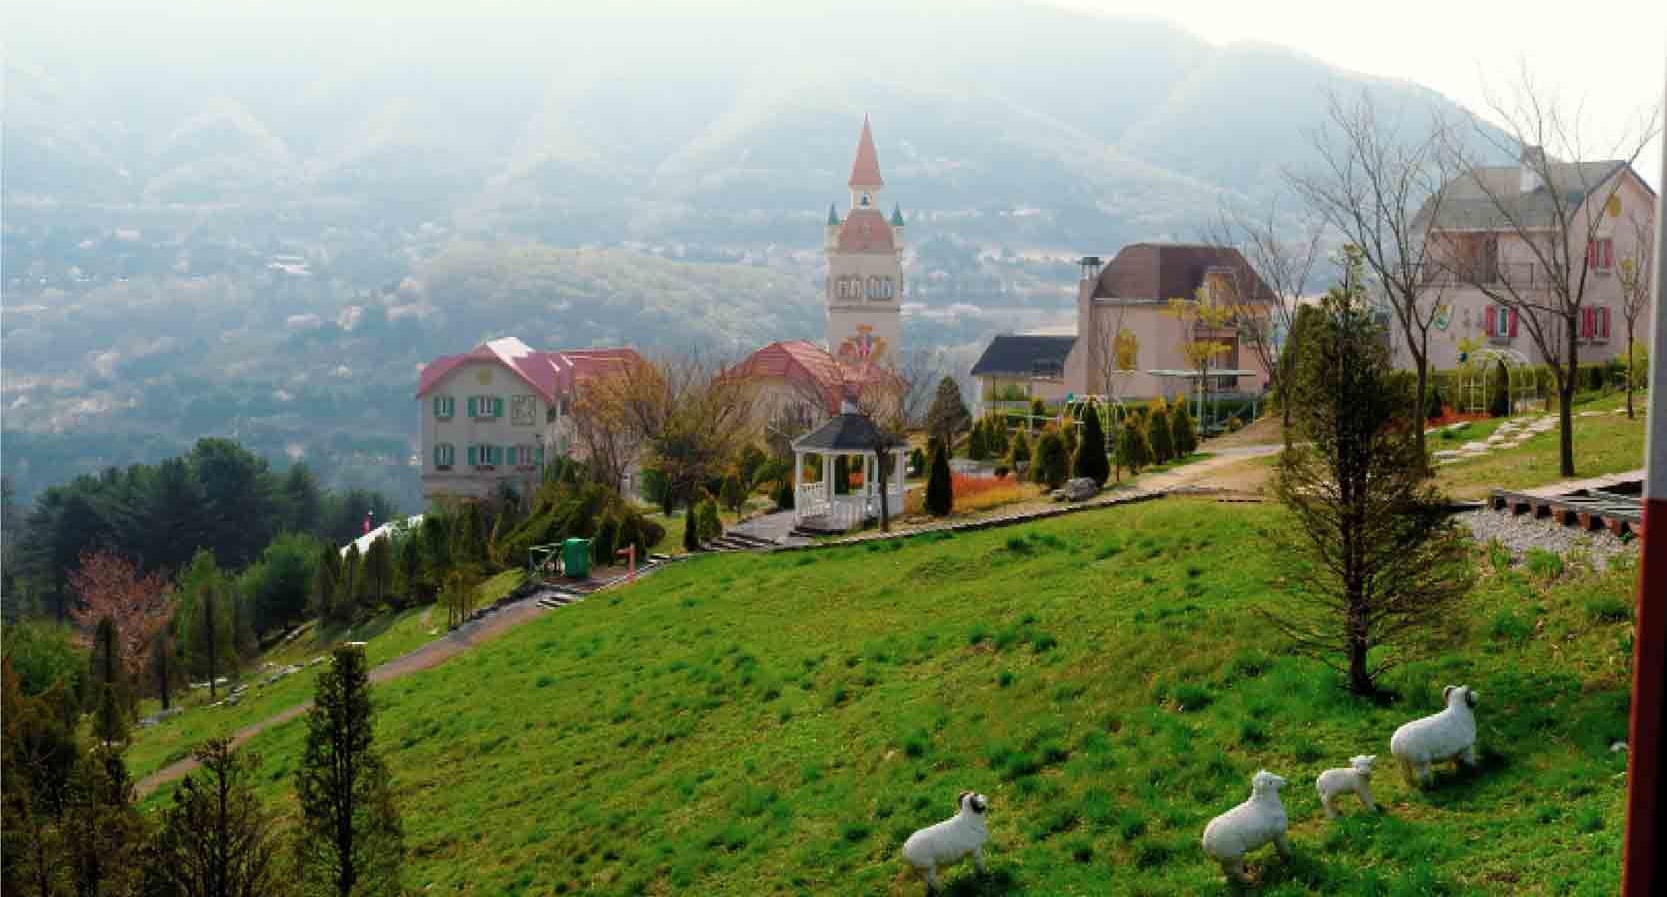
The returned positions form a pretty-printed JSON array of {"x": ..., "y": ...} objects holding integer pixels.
[
  {"x": 950, "y": 841},
  {"x": 1248, "y": 826},
  {"x": 1356, "y": 777},
  {"x": 1448, "y": 735}
]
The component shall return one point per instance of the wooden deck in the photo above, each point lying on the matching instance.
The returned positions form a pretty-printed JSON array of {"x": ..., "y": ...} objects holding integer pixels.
[{"x": 1611, "y": 502}]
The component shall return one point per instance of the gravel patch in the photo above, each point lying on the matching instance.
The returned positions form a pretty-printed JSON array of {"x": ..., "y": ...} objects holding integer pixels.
[{"x": 1521, "y": 533}]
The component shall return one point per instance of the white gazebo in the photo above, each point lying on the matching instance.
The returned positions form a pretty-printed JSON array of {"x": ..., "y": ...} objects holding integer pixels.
[{"x": 849, "y": 435}]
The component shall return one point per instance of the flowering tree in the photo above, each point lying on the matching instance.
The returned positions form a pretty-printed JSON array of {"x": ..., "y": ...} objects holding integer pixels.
[{"x": 110, "y": 586}]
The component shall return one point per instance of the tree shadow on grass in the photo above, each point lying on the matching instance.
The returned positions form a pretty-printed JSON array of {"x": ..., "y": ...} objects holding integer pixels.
[{"x": 994, "y": 883}]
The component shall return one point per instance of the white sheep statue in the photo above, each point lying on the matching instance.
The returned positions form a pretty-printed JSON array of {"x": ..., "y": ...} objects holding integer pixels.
[
  {"x": 1356, "y": 777},
  {"x": 1248, "y": 826},
  {"x": 950, "y": 841},
  {"x": 1448, "y": 735}
]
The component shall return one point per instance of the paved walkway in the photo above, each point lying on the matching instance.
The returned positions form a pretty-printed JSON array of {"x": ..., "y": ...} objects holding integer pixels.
[{"x": 1190, "y": 478}]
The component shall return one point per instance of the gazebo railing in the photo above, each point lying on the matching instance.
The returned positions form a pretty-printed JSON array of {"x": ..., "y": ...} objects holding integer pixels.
[{"x": 811, "y": 498}]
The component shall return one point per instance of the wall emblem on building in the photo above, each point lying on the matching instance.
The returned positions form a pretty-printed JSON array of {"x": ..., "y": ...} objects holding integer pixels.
[{"x": 861, "y": 346}]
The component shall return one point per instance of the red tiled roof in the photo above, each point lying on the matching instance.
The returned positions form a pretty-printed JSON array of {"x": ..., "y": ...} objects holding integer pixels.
[
  {"x": 865, "y": 170},
  {"x": 549, "y": 373},
  {"x": 866, "y": 230},
  {"x": 808, "y": 363}
]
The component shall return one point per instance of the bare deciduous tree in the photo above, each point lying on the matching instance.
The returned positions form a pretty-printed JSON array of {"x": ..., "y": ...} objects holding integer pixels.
[
  {"x": 1373, "y": 186},
  {"x": 1282, "y": 253},
  {"x": 1554, "y": 225},
  {"x": 1635, "y": 270}
]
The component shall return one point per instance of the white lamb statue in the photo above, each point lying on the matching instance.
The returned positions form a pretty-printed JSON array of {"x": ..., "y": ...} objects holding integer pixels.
[
  {"x": 1356, "y": 777},
  {"x": 950, "y": 841},
  {"x": 1448, "y": 735},
  {"x": 1248, "y": 826}
]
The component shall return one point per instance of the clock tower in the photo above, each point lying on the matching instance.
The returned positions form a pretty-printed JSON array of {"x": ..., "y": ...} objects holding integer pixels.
[{"x": 865, "y": 268}]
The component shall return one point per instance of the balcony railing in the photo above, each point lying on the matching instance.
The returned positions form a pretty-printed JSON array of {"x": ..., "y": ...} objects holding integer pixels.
[{"x": 1518, "y": 275}]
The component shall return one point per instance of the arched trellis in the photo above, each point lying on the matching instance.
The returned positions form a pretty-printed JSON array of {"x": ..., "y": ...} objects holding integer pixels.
[{"x": 1471, "y": 388}]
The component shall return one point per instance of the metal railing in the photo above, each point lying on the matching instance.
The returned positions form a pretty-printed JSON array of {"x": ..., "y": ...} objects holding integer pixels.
[{"x": 1518, "y": 275}]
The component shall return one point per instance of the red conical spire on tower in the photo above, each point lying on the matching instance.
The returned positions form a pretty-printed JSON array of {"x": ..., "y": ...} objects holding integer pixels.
[{"x": 865, "y": 171}]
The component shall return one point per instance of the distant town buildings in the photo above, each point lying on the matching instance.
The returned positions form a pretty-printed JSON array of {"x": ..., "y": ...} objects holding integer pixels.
[
  {"x": 493, "y": 415},
  {"x": 1126, "y": 330}
]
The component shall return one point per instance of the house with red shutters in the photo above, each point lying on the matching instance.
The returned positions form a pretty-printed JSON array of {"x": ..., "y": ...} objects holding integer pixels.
[{"x": 1479, "y": 228}]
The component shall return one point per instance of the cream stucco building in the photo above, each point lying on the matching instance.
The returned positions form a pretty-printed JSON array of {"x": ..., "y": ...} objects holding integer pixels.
[{"x": 492, "y": 416}]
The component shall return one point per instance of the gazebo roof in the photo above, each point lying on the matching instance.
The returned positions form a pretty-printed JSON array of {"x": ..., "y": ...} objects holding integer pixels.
[{"x": 847, "y": 432}]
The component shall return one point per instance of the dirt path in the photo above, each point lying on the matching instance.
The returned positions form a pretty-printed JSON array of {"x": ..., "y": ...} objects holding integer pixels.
[{"x": 435, "y": 652}]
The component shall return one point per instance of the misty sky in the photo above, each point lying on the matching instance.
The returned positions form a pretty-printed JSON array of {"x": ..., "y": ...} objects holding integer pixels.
[
  {"x": 1611, "y": 56},
  {"x": 1613, "y": 59}
]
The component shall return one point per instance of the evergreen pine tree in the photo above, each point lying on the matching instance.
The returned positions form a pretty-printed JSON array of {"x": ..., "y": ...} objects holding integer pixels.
[
  {"x": 691, "y": 528},
  {"x": 1091, "y": 461},
  {"x": 977, "y": 449},
  {"x": 940, "y": 493},
  {"x": 731, "y": 493},
  {"x": 1183, "y": 435},
  {"x": 1133, "y": 451},
  {"x": 216, "y": 840},
  {"x": 110, "y": 693},
  {"x": 351, "y": 842},
  {"x": 1159, "y": 435},
  {"x": 711, "y": 524},
  {"x": 325, "y": 583},
  {"x": 1018, "y": 453},
  {"x": 948, "y": 415},
  {"x": 1051, "y": 462}
]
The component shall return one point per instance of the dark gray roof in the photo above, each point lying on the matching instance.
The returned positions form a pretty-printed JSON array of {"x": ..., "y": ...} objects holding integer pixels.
[
  {"x": 849, "y": 432},
  {"x": 1469, "y": 200},
  {"x": 1023, "y": 354}
]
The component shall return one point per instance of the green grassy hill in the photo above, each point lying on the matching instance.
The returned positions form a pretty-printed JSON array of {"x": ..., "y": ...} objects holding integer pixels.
[{"x": 750, "y": 724}]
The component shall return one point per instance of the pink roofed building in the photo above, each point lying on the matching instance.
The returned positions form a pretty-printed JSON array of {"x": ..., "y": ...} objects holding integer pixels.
[{"x": 493, "y": 415}]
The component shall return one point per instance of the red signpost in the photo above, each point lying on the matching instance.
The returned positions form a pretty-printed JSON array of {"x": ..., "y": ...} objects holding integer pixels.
[
  {"x": 1644, "y": 864},
  {"x": 630, "y": 552}
]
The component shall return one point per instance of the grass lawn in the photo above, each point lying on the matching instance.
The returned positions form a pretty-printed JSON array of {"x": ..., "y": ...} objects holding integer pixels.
[
  {"x": 1605, "y": 443},
  {"x": 385, "y": 638},
  {"x": 778, "y": 724}
]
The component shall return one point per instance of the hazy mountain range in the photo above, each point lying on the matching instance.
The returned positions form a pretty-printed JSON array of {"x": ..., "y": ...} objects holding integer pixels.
[{"x": 260, "y": 228}]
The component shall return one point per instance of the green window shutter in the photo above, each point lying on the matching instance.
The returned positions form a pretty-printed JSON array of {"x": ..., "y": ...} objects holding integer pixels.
[
  {"x": 471, "y": 406},
  {"x": 498, "y": 407},
  {"x": 437, "y": 454},
  {"x": 472, "y": 455},
  {"x": 437, "y": 406},
  {"x": 538, "y": 455}
]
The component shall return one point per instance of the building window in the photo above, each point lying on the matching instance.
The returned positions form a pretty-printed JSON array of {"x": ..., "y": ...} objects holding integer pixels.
[
  {"x": 524, "y": 411},
  {"x": 1600, "y": 254},
  {"x": 1500, "y": 322},
  {"x": 486, "y": 407},
  {"x": 1049, "y": 369},
  {"x": 1594, "y": 323},
  {"x": 486, "y": 455},
  {"x": 444, "y": 407},
  {"x": 445, "y": 454}
]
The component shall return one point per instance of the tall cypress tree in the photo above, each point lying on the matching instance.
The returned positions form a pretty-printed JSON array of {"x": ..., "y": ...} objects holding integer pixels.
[
  {"x": 110, "y": 692},
  {"x": 352, "y": 841},
  {"x": 940, "y": 490},
  {"x": 1091, "y": 461}
]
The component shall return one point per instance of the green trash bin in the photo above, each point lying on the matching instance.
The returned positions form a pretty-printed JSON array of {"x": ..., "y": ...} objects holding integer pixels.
[{"x": 575, "y": 558}]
